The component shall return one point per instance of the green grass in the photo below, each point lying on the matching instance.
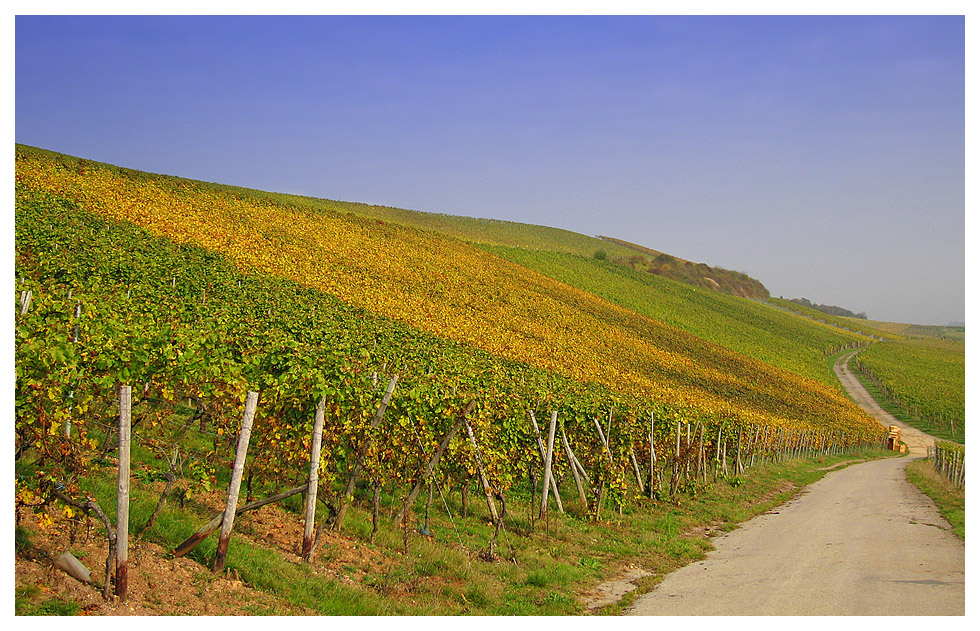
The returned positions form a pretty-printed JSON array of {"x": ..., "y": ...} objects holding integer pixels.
[
  {"x": 443, "y": 574},
  {"x": 28, "y": 601},
  {"x": 950, "y": 501}
]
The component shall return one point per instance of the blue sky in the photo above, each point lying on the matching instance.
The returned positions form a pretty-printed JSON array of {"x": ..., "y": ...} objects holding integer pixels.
[{"x": 821, "y": 155}]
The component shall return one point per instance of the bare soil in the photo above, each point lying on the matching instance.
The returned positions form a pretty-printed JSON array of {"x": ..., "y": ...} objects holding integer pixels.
[
  {"x": 162, "y": 585},
  {"x": 158, "y": 583}
]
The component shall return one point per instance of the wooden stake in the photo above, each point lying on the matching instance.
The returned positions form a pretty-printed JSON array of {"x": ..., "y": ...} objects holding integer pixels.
[
  {"x": 724, "y": 455},
  {"x": 122, "y": 496},
  {"x": 577, "y": 466},
  {"x": 574, "y": 469},
  {"x": 654, "y": 478},
  {"x": 605, "y": 444},
  {"x": 717, "y": 453},
  {"x": 738, "y": 453},
  {"x": 701, "y": 471},
  {"x": 483, "y": 478},
  {"x": 228, "y": 521},
  {"x": 25, "y": 301},
  {"x": 202, "y": 533},
  {"x": 543, "y": 451},
  {"x": 314, "y": 480},
  {"x": 548, "y": 476},
  {"x": 636, "y": 469},
  {"x": 612, "y": 466}
]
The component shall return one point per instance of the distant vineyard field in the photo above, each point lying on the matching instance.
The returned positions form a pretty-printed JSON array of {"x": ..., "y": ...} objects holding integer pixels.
[
  {"x": 950, "y": 333},
  {"x": 856, "y": 325},
  {"x": 927, "y": 376},
  {"x": 748, "y": 327}
]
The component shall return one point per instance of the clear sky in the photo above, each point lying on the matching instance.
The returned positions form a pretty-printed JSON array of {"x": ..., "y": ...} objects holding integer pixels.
[{"x": 822, "y": 155}]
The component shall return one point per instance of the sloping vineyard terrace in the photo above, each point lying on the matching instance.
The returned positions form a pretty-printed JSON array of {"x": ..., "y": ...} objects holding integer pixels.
[{"x": 452, "y": 290}]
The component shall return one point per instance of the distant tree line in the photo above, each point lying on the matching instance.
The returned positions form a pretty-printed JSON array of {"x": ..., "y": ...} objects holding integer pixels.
[{"x": 830, "y": 309}]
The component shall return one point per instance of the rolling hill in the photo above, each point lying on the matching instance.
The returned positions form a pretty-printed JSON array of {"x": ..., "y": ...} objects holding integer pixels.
[
  {"x": 449, "y": 288},
  {"x": 395, "y": 331}
]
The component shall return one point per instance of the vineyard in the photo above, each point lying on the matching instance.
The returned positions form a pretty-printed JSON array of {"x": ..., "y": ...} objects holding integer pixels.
[
  {"x": 427, "y": 360},
  {"x": 949, "y": 460},
  {"x": 926, "y": 376},
  {"x": 748, "y": 327},
  {"x": 453, "y": 290},
  {"x": 854, "y": 325},
  {"x": 519, "y": 235},
  {"x": 911, "y": 331}
]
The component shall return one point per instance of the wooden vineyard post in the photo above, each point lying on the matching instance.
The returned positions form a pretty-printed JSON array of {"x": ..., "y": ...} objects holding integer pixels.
[
  {"x": 202, "y": 533},
  {"x": 122, "y": 495},
  {"x": 717, "y": 453},
  {"x": 573, "y": 466},
  {"x": 654, "y": 478},
  {"x": 314, "y": 480},
  {"x": 612, "y": 465},
  {"x": 687, "y": 448},
  {"x": 228, "y": 521},
  {"x": 738, "y": 453},
  {"x": 675, "y": 473},
  {"x": 348, "y": 494},
  {"x": 724, "y": 455},
  {"x": 636, "y": 470},
  {"x": 581, "y": 469},
  {"x": 25, "y": 301},
  {"x": 543, "y": 451},
  {"x": 605, "y": 444},
  {"x": 483, "y": 477},
  {"x": 548, "y": 478},
  {"x": 71, "y": 393}
]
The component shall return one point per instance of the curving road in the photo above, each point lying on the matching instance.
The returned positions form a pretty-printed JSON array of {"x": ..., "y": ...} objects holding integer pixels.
[{"x": 860, "y": 541}]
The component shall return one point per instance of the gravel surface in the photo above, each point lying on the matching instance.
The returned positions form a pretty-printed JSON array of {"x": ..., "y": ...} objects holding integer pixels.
[{"x": 861, "y": 541}]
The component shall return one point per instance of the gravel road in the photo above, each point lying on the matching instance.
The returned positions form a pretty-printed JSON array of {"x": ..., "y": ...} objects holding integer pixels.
[{"x": 861, "y": 541}]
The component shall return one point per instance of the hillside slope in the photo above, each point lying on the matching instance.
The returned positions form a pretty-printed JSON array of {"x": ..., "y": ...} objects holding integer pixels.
[
  {"x": 515, "y": 234},
  {"x": 748, "y": 327},
  {"x": 451, "y": 289}
]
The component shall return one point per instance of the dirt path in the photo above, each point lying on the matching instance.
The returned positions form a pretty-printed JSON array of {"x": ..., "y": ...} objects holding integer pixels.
[
  {"x": 861, "y": 541},
  {"x": 915, "y": 439}
]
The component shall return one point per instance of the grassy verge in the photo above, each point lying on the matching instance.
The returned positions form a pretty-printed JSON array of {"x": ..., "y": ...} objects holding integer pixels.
[
  {"x": 543, "y": 567},
  {"x": 950, "y": 500}
]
